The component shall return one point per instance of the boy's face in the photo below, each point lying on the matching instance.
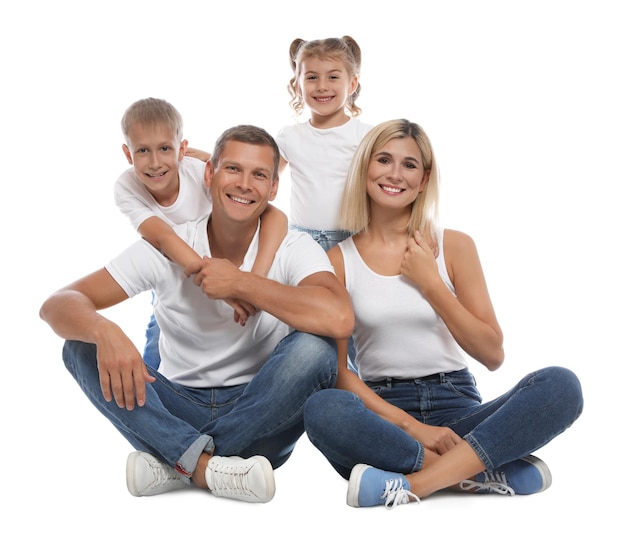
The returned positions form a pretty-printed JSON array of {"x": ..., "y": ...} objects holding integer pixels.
[{"x": 155, "y": 152}]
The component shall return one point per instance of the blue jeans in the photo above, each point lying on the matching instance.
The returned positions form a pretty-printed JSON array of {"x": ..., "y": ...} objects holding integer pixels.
[
  {"x": 178, "y": 423},
  {"x": 327, "y": 239},
  {"x": 541, "y": 406},
  {"x": 151, "y": 354}
]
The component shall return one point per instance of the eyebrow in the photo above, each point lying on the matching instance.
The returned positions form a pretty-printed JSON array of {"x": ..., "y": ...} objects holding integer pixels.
[
  {"x": 337, "y": 70},
  {"x": 232, "y": 162},
  {"x": 387, "y": 154}
]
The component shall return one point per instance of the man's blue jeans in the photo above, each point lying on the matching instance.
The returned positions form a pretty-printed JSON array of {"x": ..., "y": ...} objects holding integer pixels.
[
  {"x": 177, "y": 423},
  {"x": 538, "y": 408}
]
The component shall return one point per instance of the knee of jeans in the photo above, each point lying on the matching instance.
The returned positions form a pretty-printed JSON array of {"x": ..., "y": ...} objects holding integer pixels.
[
  {"x": 75, "y": 351},
  {"x": 318, "y": 348},
  {"x": 567, "y": 386},
  {"x": 572, "y": 388},
  {"x": 319, "y": 407}
]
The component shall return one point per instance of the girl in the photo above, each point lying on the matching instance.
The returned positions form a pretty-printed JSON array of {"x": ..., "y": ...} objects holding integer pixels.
[
  {"x": 326, "y": 80},
  {"x": 412, "y": 422}
]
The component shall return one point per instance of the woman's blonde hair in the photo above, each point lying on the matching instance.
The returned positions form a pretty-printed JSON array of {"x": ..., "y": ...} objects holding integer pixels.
[
  {"x": 344, "y": 49},
  {"x": 355, "y": 206}
]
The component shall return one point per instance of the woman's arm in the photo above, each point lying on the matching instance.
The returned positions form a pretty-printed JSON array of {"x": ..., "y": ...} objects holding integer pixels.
[
  {"x": 432, "y": 437},
  {"x": 469, "y": 315}
]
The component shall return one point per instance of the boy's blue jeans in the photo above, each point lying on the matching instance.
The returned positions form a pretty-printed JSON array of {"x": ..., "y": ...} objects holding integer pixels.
[
  {"x": 151, "y": 354},
  {"x": 538, "y": 408},
  {"x": 178, "y": 423}
]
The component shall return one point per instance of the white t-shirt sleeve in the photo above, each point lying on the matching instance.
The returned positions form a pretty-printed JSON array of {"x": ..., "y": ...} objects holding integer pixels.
[
  {"x": 193, "y": 202},
  {"x": 139, "y": 268},
  {"x": 299, "y": 257}
]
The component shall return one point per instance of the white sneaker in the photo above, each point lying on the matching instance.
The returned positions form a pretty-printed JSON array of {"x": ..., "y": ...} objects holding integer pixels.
[
  {"x": 147, "y": 476},
  {"x": 248, "y": 480}
]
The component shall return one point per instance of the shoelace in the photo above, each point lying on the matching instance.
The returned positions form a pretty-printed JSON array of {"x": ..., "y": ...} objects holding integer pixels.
[
  {"x": 495, "y": 481},
  {"x": 163, "y": 475},
  {"x": 396, "y": 494},
  {"x": 230, "y": 480}
]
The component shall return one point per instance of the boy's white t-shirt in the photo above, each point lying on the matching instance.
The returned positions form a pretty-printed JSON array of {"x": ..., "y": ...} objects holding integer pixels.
[
  {"x": 319, "y": 160},
  {"x": 200, "y": 344},
  {"x": 193, "y": 201}
]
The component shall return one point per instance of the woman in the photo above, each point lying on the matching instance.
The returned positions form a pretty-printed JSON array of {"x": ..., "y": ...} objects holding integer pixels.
[{"x": 413, "y": 422}]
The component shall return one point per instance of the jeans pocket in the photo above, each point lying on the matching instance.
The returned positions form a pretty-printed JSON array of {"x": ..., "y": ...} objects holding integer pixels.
[{"x": 463, "y": 384}]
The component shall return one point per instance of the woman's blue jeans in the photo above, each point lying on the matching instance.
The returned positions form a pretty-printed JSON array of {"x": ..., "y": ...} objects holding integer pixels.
[
  {"x": 178, "y": 423},
  {"x": 541, "y": 406}
]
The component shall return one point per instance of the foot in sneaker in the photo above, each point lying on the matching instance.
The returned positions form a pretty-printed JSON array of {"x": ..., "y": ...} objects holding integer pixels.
[
  {"x": 248, "y": 480},
  {"x": 370, "y": 486},
  {"x": 527, "y": 475},
  {"x": 147, "y": 476}
]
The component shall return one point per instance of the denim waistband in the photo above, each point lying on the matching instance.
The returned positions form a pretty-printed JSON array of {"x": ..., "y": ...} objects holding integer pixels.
[
  {"x": 331, "y": 235},
  {"x": 390, "y": 381}
]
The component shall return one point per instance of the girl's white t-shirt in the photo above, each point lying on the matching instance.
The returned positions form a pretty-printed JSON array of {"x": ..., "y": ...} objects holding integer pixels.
[{"x": 318, "y": 160}]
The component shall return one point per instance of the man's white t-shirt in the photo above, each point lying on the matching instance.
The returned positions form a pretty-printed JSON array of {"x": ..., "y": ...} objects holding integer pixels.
[{"x": 200, "y": 344}]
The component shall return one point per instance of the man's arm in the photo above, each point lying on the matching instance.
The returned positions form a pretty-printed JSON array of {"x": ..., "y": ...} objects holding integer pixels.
[
  {"x": 73, "y": 313},
  {"x": 319, "y": 304}
]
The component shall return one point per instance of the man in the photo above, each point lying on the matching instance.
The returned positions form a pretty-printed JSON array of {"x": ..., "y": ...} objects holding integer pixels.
[{"x": 225, "y": 407}]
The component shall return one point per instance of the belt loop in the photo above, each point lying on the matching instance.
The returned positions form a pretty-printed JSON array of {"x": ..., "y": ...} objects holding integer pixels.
[{"x": 389, "y": 382}]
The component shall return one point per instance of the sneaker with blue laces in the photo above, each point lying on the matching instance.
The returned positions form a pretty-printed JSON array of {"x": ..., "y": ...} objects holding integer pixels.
[
  {"x": 370, "y": 486},
  {"x": 527, "y": 475}
]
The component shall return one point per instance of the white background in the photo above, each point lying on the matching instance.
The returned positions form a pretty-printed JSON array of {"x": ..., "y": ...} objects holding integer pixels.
[{"x": 524, "y": 103}]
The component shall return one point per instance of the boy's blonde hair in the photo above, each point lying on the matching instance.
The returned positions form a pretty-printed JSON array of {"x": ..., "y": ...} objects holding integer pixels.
[
  {"x": 355, "y": 208},
  {"x": 152, "y": 112},
  {"x": 344, "y": 49}
]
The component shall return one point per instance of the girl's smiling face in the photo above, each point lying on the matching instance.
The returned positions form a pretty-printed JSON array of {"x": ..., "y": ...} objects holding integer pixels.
[{"x": 325, "y": 85}]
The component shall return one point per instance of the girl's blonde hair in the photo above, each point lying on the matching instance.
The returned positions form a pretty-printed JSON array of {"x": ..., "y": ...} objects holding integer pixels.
[
  {"x": 344, "y": 49},
  {"x": 355, "y": 207}
]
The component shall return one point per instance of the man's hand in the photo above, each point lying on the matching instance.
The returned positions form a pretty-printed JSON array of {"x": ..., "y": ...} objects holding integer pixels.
[
  {"x": 217, "y": 278},
  {"x": 123, "y": 373}
]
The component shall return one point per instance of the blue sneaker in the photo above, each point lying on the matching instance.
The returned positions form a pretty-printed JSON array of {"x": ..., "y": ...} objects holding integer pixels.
[
  {"x": 370, "y": 486},
  {"x": 527, "y": 475}
]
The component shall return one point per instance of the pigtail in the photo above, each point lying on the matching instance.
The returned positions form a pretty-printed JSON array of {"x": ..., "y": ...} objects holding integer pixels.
[
  {"x": 296, "y": 100},
  {"x": 355, "y": 50}
]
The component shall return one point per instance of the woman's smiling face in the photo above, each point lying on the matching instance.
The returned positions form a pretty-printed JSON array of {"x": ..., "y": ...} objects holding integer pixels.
[{"x": 396, "y": 174}]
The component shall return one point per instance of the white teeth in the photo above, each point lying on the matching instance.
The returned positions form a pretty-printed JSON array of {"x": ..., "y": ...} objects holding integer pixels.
[
  {"x": 240, "y": 200},
  {"x": 391, "y": 189}
]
